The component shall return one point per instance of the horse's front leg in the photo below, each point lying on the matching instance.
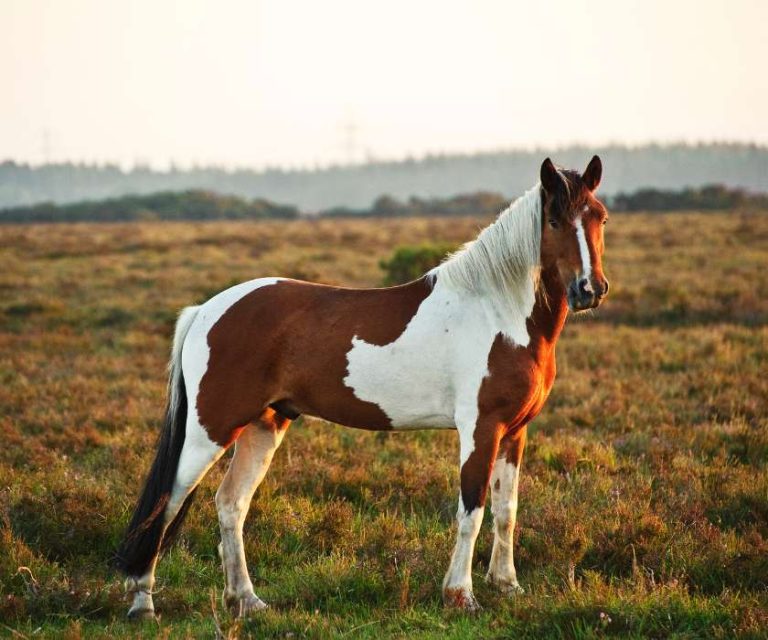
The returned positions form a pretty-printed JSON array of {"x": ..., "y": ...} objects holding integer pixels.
[
  {"x": 504, "y": 482},
  {"x": 479, "y": 445}
]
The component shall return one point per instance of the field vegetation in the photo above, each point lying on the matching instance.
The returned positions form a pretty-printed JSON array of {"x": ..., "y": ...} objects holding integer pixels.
[{"x": 644, "y": 494}]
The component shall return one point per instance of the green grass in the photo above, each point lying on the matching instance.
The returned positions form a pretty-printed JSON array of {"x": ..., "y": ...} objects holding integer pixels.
[{"x": 644, "y": 494}]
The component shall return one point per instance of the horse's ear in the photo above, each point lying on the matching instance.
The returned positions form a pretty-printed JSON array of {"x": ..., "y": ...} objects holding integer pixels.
[
  {"x": 593, "y": 173},
  {"x": 550, "y": 177}
]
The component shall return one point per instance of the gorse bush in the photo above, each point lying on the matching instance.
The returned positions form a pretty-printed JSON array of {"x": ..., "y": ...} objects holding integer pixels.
[{"x": 410, "y": 262}]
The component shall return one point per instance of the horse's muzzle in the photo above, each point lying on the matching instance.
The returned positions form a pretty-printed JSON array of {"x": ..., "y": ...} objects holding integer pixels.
[{"x": 584, "y": 293}]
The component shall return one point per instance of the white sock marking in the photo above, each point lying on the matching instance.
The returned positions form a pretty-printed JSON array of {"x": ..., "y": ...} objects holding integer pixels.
[
  {"x": 501, "y": 568},
  {"x": 459, "y": 573}
]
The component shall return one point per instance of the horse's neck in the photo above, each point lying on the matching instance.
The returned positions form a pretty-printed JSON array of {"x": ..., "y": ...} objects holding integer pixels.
[{"x": 549, "y": 313}]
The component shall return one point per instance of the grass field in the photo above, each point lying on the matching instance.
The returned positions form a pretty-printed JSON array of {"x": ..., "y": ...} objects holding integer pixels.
[{"x": 644, "y": 494}]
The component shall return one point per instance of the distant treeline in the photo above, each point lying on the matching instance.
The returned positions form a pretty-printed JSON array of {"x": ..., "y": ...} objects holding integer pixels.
[
  {"x": 185, "y": 205},
  {"x": 707, "y": 198},
  {"x": 509, "y": 172},
  {"x": 480, "y": 203},
  {"x": 206, "y": 205}
]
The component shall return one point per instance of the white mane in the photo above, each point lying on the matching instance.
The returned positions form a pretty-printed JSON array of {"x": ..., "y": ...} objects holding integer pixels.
[{"x": 504, "y": 259}]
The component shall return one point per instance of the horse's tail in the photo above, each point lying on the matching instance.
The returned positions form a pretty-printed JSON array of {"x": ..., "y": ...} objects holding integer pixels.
[{"x": 147, "y": 531}]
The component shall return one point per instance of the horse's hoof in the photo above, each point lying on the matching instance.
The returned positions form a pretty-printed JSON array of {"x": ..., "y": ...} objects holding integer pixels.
[
  {"x": 137, "y": 615},
  {"x": 506, "y": 587},
  {"x": 245, "y": 606},
  {"x": 460, "y": 598},
  {"x": 511, "y": 589}
]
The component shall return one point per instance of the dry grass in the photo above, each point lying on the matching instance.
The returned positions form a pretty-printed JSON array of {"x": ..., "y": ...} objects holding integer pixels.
[{"x": 644, "y": 498}]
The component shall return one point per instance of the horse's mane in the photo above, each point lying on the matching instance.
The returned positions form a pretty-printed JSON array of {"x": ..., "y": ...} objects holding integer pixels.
[{"x": 504, "y": 258}]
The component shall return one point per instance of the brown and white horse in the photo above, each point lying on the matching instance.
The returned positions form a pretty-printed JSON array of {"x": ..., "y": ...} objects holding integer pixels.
[{"x": 470, "y": 346}]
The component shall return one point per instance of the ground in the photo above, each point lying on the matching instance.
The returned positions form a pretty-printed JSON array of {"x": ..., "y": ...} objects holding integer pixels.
[{"x": 644, "y": 494}]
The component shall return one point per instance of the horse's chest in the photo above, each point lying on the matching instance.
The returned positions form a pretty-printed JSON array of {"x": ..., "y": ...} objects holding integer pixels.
[{"x": 518, "y": 383}]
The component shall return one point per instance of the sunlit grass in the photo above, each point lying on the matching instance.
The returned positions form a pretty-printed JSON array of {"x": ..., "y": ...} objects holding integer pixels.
[{"x": 644, "y": 497}]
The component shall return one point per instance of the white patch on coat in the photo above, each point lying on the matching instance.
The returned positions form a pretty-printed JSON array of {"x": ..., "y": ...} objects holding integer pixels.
[
  {"x": 586, "y": 261},
  {"x": 430, "y": 376}
]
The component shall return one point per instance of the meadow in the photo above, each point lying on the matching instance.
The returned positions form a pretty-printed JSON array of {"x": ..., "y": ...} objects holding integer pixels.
[{"x": 644, "y": 493}]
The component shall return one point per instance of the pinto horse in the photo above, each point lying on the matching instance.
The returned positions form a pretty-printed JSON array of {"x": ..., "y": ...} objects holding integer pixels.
[{"x": 470, "y": 346}]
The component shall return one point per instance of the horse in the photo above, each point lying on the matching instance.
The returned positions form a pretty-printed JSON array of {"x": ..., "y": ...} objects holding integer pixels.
[{"x": 469, "y": 346}]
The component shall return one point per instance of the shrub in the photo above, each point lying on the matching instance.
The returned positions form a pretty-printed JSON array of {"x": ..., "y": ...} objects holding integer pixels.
[{"x": 410, "y": 262}]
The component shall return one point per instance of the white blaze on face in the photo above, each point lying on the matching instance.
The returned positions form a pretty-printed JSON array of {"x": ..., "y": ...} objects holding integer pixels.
[{"x": 586, "y": 262}]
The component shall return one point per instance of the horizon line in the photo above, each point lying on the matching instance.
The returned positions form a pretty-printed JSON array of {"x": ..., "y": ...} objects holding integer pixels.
[{"x": 371, "y": 160}]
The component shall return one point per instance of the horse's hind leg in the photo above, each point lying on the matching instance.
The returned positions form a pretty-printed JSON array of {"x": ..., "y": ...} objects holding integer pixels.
[
  {"x": 197, "y": 456},
  {"x": 253, "y": 454}
]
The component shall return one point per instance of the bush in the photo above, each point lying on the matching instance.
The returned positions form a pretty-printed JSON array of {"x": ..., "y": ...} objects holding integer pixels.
[{"x": 410, "y": 262}]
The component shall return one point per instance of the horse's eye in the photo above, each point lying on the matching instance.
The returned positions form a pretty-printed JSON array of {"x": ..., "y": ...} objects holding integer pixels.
[
  {"x": 605, "y": 221},
  {"x": 553, "y": 223}
]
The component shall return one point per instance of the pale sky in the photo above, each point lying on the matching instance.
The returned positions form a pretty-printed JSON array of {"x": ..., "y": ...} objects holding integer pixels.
[{"x": 250, "y": 83}]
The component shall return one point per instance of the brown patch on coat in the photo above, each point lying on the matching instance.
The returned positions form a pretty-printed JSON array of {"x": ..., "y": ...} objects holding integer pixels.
[
  {"x": 476, "y": 470},
  {"x": 286, "y": 345},
  {"x": 512, "y": 446}
]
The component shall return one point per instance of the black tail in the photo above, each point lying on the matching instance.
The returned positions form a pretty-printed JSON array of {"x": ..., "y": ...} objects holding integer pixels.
[{"x": 146, "y": 535}]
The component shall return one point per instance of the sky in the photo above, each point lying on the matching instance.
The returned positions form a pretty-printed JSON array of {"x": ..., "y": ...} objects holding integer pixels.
[{"x": 256, "y": 83}]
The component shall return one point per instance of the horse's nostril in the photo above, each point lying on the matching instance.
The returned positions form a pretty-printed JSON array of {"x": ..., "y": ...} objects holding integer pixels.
[
  {"x": 585, "y": 288},
  {"x": 605, "y": 287}
]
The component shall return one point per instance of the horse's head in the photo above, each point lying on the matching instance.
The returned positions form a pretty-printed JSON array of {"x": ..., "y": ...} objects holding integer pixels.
[{"x": 572, "y": 235}]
